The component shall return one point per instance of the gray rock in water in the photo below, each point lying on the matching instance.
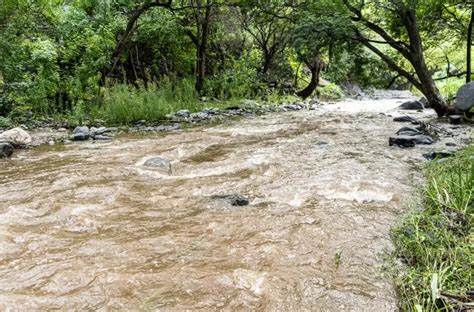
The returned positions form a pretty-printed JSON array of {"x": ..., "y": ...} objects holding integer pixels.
[
  {"x": 406, "y": 119},
  {"x": 411, "y": 105},
  {"x": 6, "y": 150},
  {"x": 455, "y": 119},
  {"x": 16, "y": 137},
  {"x": 159, "y": 163},
  {"x": 234, "y": 200},
  {"x": 167, "y": 127},
  {"x": 183, "y": 113},
  {"x": 80, "y": 136},
  {"x": 81, "y": 129},
  {"x": 98, "y": 137},
  {"x": 465, "y": 97},
  {"x": 322, "y": 142},
  {"x": 410, "y": 141},
  {"x": 438, "y": 155},
  {"x": 409, "y": 131}
]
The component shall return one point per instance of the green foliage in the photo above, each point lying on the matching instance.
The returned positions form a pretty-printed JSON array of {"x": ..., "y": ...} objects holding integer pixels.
[
  {"x": 5, "y": 122},
  {"x": 239, "y": 80},
  {"x": 330, "y": 91},
  {"x": 450, "y": 87},
  {"x": 434, "y": 242},
  {"x": 60, "y": 57}
]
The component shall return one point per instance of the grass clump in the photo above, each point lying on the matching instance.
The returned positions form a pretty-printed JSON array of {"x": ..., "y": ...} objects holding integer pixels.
[
  {"x": 435, "y": 243},
  {"x": 125, "y": 104}
]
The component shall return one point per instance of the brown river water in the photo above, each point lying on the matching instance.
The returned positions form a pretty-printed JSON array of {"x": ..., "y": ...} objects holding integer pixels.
[{"x": 86, "y": 227}]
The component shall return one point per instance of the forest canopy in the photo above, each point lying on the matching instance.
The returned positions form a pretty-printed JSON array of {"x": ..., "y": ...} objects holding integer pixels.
[{"x": 82, "y": 56}]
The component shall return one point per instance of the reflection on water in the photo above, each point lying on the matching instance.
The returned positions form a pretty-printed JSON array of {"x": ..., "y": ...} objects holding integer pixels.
[{"x": 85, "y": 227}]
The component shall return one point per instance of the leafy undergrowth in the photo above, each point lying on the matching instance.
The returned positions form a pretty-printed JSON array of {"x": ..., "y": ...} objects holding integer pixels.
[{"x": 435, "y": 244}]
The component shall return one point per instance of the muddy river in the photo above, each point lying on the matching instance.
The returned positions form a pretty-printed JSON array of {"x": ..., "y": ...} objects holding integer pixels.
[{"x": 87, "y": 227}]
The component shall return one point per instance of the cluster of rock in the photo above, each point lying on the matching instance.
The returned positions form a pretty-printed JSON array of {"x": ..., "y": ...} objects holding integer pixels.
[
  {"x": 422, "y": 133},
  {"x": 409, "y": 137},
  {"x": 247, "y": 108},
  {"x": 11, "y": 139},
  {"x": 84, "y": 133}
]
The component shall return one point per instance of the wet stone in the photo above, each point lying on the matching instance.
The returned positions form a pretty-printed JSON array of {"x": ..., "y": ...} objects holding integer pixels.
[
  {"x": 409, "y": 131},
  {"x": 234, "y": 200},
  {"x": 159, "y": 163},
  {"x": 405, "y": 119},
  {"x": 412, "y": 105},
  {"x": 438, "y": 155},
  {"x": 81, "y": 129},
  {"x": 455, "y": 119},
  {"x": 410, "y": 141},
  {"x": 80, "y": 136},
  {"x": 102, "y": 138},
  {"x": 6, "y": 150}
]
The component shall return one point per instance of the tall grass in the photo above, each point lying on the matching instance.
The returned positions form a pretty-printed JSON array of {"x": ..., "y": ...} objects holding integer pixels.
[
  {"x": 125, "y": 104},
  {"x": 435, "y": 243}
]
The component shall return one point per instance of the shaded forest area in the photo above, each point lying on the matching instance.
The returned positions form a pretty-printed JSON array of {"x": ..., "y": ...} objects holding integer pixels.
[{"x": 102, "y": 58}]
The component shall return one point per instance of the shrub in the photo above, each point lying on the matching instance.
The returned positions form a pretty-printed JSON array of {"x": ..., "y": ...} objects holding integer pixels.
[
  {"x": 125, "y": 104},
  {"x": 330, "y": 91}
]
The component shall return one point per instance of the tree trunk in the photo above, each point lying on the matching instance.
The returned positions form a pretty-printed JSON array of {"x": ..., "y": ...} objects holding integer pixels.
[
  {"x": 125, "y": 36},
  {"x": 413, "y": 52},
  {"x": 315, "y": 68},
  {"x": 469, "y": 45},
  {"x": 267, "y": 61},
  {"x": 417, "y": 59},
  {"x": 203, "y": 28}
]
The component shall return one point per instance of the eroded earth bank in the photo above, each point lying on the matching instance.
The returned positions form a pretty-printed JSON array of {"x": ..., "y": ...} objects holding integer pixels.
[{"x": 88, "y": 226}]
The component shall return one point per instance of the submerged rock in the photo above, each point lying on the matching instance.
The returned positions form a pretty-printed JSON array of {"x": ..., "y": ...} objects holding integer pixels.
[
  {"x": 159, "y": 163},
  {"x": 6, "y": 150},
  {"x": 410, "y": 141},
  {"x": 234, "y": 200},
  {"x": 411, "y": 105},
  {"x": 15, "y": 136}
]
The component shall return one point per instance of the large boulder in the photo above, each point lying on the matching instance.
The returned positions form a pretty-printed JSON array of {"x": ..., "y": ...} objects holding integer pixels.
[
  {"x": 465, "y": 97},
  {"x": 15, "y": 136},
  {"x": 6, "y": 150},
  {"x": 412, "y": 105}
]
